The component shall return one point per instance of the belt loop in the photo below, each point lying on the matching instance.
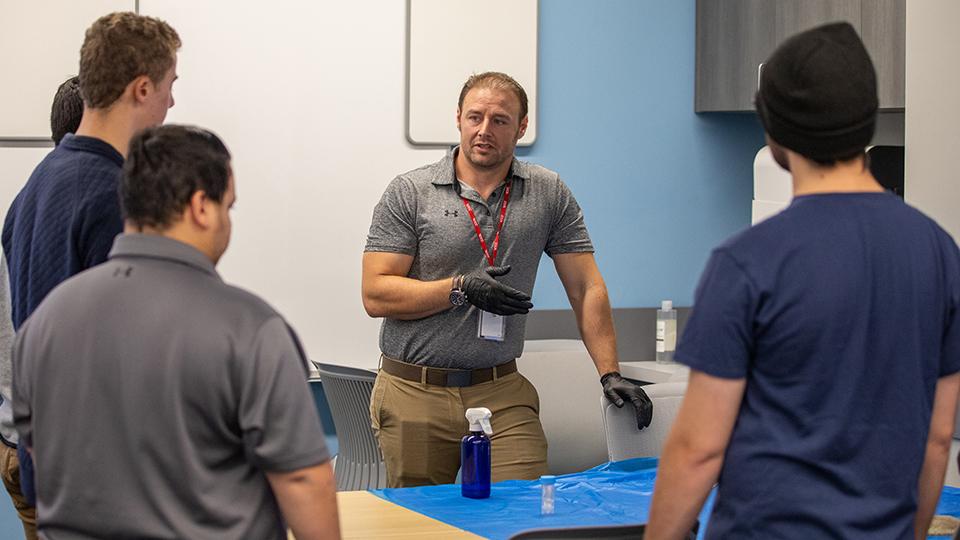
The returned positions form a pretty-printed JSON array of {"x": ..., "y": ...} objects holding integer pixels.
[
  {"x": 423, "y": 375},
  {"x": 496, "y": 373}
]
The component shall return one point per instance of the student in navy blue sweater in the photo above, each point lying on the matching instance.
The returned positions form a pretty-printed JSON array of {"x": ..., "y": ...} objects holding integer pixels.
[{"x": 65, "y": 218}]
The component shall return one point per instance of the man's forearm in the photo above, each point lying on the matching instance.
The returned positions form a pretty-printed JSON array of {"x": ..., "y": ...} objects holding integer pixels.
[
  {"x": 595, "y": 321},
  {"x": 404, "y": 298},
  {"x": 931, "y": 483},
  {"x": 308, "y": 500},
  {"x": 939, "y": 438},
  {"x": 693, "y": 455},
  {"x": 683, "y": 483}
]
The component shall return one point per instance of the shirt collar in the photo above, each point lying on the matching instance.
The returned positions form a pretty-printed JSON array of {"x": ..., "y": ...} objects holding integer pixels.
[
  {"x": 154, "y": 246},
  {"x": 94, "y": 145},
  {"x": 447, "y": 173}
]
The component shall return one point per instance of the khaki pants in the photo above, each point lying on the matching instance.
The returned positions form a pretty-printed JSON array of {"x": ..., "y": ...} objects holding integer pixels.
[
  {"x": 419, "y": 427},
  {"x": 10, "y": 472}
]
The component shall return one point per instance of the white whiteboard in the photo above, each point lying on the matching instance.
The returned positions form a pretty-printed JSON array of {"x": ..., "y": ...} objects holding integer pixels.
[
  {"x": 39, "y": 49},
  {"x": 447, "y": 41},
  {"x": 17, "y": 163}
]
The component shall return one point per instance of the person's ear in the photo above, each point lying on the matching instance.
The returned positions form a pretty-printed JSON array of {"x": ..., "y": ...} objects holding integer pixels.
[
  {"x": 199, "y": 209},
  {"x": 523, "y": 127},
  {"x": 141, "y": 88},
  {"x": 458, "y": 118}
]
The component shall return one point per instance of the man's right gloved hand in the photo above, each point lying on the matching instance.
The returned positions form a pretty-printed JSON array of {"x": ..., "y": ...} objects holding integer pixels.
[{"x": 488, "y": 294}]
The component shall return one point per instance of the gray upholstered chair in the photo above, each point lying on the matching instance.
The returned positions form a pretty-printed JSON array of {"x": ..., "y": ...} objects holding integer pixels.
[{"x": 624, "y": 440}]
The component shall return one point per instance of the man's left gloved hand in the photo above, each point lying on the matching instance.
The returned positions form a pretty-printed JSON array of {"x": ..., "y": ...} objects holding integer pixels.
[{"x": 617, "y": 389}]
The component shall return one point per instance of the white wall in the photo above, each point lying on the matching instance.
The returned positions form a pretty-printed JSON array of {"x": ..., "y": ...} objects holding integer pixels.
[
  {"x": 309, "y": 97},
  {"x": 932, "y": 140}
]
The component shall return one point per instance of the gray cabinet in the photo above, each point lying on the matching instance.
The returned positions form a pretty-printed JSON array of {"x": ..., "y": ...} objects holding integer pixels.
[
  {"x": 883, "y": 29},
  {"x": 735, "y": 36},
  {"x": 798, "y": 15}
]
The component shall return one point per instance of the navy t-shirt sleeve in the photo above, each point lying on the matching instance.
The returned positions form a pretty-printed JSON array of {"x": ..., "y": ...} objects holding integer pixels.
[
  {"x": 950, "y": 361},
  {"x": 718, "y": 338}
]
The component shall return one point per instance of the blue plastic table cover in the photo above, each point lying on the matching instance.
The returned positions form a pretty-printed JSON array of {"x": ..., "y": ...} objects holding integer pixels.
[{"x": 609, "y": 494}]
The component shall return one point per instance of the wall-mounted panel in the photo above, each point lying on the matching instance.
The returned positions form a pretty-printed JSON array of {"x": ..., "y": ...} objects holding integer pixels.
[
  {"x": 41, "y": 40},
  {"x": 17, "y": 163},
  {"x": 447, "y": 41}
]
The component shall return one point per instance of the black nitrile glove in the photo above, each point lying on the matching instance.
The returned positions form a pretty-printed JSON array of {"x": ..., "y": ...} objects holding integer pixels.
[
  {"x": 490, "y": 295},
  {"x": 616, "y": 388}
]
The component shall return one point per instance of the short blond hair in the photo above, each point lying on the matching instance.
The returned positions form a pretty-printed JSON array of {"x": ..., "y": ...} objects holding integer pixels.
[
  {"x": 120, "y": 47},
  {"x": 498, "y": 81}
]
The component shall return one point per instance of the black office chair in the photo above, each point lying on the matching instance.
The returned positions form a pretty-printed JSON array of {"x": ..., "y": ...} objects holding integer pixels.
[{"x": 600, "y": 532}]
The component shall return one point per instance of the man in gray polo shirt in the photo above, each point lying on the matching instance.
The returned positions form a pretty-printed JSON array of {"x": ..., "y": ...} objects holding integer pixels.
[
  {"x": 451, "y": 256},
  {"x": 161, "y": 402}
]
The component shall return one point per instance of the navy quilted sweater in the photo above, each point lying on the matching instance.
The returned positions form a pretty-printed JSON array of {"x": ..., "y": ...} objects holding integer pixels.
[{"x": 63, "y": 221}]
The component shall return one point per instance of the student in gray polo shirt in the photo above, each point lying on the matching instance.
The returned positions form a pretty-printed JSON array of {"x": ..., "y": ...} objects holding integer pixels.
[
  {"x": 160, "y": 401},
  {"x": 451, "y": 257}
]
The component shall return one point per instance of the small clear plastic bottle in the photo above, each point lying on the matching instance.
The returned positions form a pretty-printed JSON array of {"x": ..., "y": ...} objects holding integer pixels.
[
  {"x": 548, "y": 486},
  {"x": 666, "y": 332}
]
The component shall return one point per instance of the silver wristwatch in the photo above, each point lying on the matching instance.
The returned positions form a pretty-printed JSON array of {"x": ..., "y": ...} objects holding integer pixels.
[{"x": 457, "y": 296}]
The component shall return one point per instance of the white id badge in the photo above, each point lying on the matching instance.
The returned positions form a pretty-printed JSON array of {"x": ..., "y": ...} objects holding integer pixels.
[{"x": 491, "y": 326}]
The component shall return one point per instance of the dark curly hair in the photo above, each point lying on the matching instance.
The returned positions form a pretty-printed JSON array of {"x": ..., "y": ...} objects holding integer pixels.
[
  {"x": 165, "y": 166},
  {"x": 67, "y": 109}
]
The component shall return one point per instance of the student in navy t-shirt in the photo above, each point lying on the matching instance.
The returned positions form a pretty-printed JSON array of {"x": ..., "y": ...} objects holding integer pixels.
[{"x": 824, "y": 342}]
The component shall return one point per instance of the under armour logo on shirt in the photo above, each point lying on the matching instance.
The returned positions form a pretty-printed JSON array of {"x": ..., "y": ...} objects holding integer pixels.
[{"x": 454, "y": 213}]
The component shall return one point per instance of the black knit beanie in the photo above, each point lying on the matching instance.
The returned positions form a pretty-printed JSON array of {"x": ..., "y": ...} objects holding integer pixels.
[{"x": 818, "y": 93}]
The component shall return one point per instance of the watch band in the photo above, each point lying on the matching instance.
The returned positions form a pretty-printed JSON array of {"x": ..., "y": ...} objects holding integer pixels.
[{"x": 457, "y": 296}]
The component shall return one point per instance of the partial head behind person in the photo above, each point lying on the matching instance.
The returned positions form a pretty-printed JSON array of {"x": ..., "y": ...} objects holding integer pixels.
[
  {"x": 177, "y": 181},
  {"x": 125, "y": 52},
  {"x": 491, "y": 117},
  {"x": 67, "y": 109},
  {"x": 818, "y": 96}
]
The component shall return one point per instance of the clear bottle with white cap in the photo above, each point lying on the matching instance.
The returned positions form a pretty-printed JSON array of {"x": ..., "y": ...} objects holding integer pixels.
[
  {"x": 666, "y": 332},
  {"x": 548, "y": 488}
]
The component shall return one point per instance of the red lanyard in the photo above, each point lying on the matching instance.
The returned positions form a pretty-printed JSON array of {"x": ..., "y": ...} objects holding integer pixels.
[{"x": 476, "y": 226}]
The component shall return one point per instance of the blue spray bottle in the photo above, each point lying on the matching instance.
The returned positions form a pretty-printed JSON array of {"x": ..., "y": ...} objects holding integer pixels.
[{"x": 475, "y": 455}]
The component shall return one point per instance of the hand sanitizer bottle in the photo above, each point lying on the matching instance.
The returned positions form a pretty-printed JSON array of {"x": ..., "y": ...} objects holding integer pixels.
[
  {"x": 475, "y": 455},
  {"x": 666, "y": 332}
]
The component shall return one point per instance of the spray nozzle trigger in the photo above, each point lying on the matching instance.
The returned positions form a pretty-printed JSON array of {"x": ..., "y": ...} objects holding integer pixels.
[{"x": 479, "y": 418}]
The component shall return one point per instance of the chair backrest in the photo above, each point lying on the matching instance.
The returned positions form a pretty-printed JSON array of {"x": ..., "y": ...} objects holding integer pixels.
[
  {"x": 359, "y": 463},
  {"x": 624, "y": 440},
  {"x": 567, "y": 382},
  {"x": 595, "y": 532},
  {"x": 606, "y": 532},
  {"x": 323, "y": 408}
]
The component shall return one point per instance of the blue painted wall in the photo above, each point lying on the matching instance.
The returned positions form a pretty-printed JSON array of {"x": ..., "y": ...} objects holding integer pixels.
[{"x": 659, "y": 185}]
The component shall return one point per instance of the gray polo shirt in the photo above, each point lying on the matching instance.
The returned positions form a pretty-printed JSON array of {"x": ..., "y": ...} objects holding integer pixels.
[
  {"x": 155, "y": 397},
  {"x": 421, "y": 214}
]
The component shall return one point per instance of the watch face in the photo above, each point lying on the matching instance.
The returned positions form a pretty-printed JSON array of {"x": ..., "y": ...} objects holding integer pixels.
[{"x": 457, "y": 297}]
